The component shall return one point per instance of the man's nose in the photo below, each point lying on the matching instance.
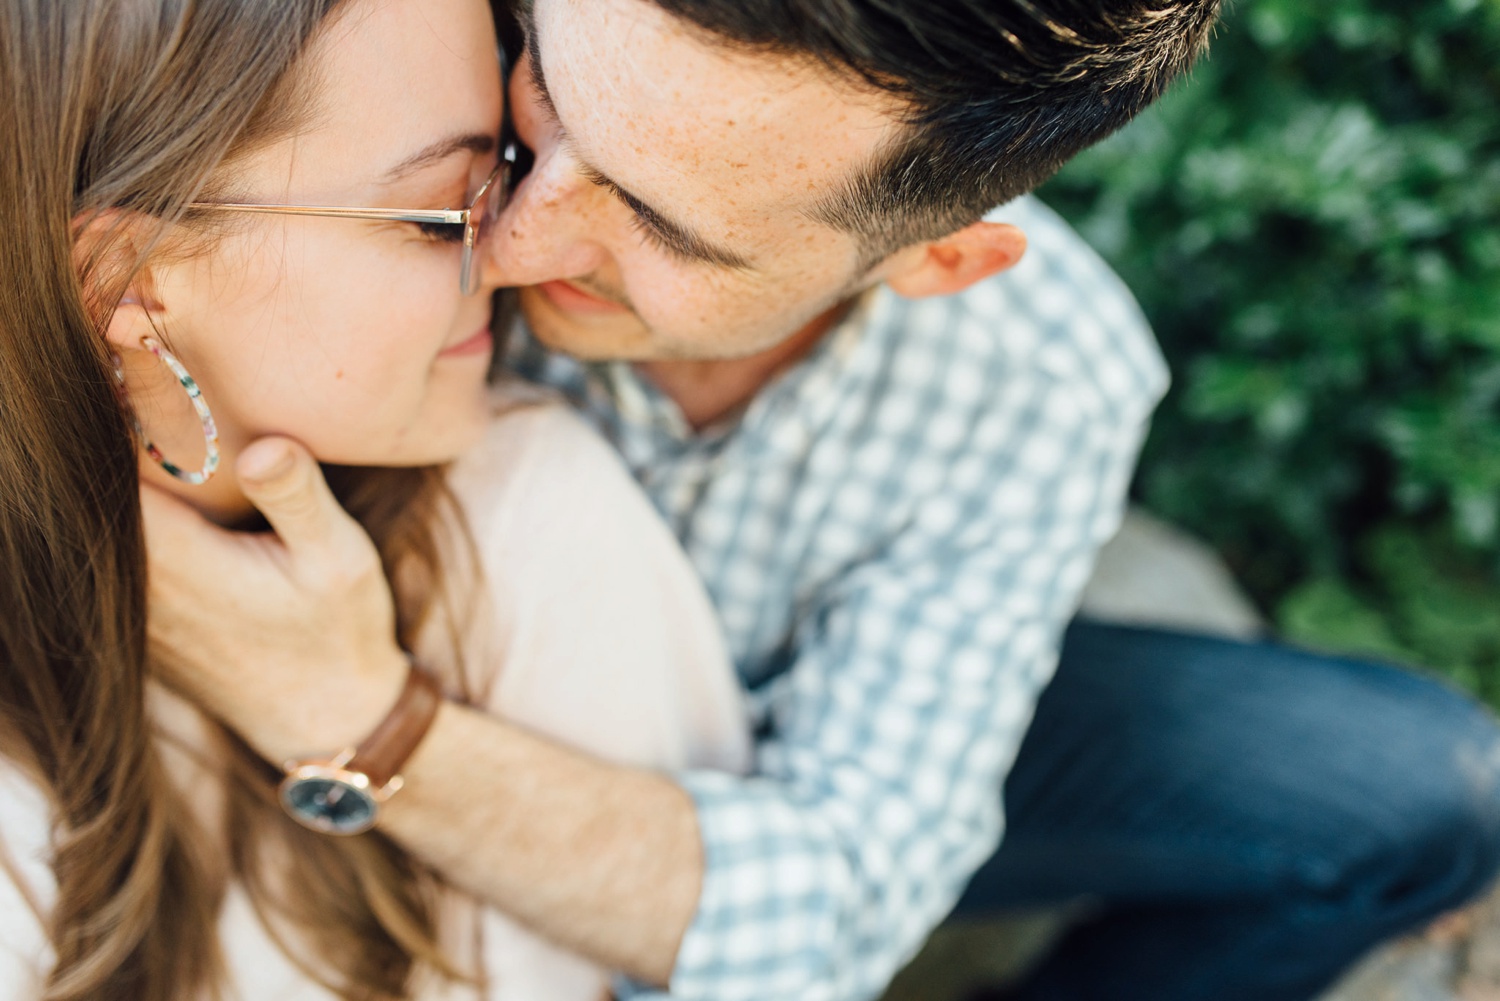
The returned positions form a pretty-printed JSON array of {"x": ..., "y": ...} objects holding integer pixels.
[{"x": 549, "y": 229}]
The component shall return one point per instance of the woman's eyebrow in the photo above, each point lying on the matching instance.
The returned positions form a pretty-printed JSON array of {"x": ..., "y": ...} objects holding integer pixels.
[{"x": 471, "y": 142}]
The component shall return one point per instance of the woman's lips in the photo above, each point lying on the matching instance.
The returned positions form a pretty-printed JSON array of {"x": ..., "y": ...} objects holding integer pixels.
[
  {"x": 481, "y": 343},
  {"x": 571, "y": 299}
]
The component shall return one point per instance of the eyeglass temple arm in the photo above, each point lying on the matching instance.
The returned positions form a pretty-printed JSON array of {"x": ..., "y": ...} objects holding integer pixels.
[{"x": 453, "y": 216}]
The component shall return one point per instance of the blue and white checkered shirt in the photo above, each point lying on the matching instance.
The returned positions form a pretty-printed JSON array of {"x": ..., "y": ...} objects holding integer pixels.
[{"x": 894, "y": 533}]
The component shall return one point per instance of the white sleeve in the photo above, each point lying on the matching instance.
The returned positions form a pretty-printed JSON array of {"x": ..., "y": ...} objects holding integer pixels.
[
  {"x": 594, "y": 631},
  {"x": 606, "y": 638},
  {"x": 26, "y": 886}
]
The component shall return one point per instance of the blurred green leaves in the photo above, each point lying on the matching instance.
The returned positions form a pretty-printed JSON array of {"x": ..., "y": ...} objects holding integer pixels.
[{"x": 1313, "y": 224}]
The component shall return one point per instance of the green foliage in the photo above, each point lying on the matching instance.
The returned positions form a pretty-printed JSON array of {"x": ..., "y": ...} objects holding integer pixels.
[{"x": 1313, "y": 225}]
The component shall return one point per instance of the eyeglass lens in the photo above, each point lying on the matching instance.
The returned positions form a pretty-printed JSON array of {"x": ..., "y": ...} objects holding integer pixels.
[{"x": 482, "y": 218}]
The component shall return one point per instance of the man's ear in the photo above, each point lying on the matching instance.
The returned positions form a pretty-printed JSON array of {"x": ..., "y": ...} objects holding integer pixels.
[{"x": 952, "y": 264}]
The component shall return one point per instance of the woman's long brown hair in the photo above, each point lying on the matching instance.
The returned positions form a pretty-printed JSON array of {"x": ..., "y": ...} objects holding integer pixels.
[{"x": 136, "y": 105}]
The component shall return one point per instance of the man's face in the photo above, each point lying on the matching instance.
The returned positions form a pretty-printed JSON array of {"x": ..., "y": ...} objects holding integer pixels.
[{"x": 670, "y": 213}]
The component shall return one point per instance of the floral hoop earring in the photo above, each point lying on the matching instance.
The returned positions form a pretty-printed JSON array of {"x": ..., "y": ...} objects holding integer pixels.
[{"x": 200, "y": 406}]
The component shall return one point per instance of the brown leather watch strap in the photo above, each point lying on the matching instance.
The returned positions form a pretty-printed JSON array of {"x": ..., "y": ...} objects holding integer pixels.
[{"x": 381, "y": 755}]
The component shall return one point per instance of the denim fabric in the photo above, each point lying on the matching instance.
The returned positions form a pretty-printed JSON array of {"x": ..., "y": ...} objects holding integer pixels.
[{"x": 1248, "y": 819}]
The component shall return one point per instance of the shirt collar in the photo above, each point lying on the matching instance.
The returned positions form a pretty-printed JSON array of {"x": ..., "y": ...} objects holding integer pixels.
[{"x": 643, "y": 406}]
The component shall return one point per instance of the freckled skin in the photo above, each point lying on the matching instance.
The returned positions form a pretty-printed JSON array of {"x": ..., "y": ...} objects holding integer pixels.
[{"x": 737, "y": 147}]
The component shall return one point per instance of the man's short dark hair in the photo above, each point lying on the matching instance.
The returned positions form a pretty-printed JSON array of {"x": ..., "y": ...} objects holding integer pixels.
[{"x": 1000, "y": 93}]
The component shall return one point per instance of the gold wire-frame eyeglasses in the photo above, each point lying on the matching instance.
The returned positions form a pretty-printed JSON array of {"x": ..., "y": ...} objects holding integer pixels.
[{"x": 476, "y": 219}]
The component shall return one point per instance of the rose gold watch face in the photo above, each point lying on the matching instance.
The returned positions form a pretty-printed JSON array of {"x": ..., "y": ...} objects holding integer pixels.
[{"x": 332, "y": 801}]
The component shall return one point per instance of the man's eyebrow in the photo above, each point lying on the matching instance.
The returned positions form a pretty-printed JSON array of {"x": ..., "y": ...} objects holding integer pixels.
[
  {"x": 472, "y": 142},
  {"x": 678, "y": 237},
  {"x": 534, "y": 60}
]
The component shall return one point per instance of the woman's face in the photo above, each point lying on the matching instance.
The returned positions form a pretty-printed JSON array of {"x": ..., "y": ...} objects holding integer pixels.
[{"x": 350, "y": 336}]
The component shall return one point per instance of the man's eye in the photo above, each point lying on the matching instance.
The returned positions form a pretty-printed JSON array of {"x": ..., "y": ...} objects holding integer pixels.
[
  {"x": 441, "y": 232},
  {"x": 652, "y": 238}
]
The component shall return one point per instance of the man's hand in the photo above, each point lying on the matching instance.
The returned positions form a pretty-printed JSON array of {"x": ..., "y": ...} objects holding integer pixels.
[{"x": 288, "y": 638}]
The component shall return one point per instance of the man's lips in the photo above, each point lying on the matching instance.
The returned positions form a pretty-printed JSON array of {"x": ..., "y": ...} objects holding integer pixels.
[
  {"x": 480, "y": 343},
  {"x": 571, "y": 299}
]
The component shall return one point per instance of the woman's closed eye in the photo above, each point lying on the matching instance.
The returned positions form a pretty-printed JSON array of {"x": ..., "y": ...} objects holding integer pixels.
[{"x": 441, "y": 232}]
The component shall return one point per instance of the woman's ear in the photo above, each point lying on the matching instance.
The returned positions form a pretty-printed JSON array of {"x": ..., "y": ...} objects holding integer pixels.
[
  {"x": 137, "y": 316},
  {"x": 952, "y": 264},
  {"x": 106, "y": 255}
]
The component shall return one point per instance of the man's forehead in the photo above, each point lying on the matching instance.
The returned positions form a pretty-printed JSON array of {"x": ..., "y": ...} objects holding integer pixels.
[{"x": 645, "y": 95}]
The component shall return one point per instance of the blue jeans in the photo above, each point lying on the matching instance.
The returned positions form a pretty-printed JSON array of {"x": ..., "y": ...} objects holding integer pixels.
[{"x": 1250, "y": 819}]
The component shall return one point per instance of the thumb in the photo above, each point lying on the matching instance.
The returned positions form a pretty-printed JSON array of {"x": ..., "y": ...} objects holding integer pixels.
[{"x": 283, "y": 481}]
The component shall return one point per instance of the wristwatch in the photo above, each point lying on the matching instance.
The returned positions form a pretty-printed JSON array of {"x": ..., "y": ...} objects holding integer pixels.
[{"x": 343, "y": 794}]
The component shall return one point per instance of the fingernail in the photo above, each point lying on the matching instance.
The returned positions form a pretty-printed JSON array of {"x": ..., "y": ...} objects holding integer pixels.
[{"x": 265, "y": 463}]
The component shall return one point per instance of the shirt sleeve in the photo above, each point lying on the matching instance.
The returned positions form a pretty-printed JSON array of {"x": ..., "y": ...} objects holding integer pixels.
[
  {"x": 609, "y": 641},
  {"x": 877, "y": 791},
  {"x": 26, "y": 885}
]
